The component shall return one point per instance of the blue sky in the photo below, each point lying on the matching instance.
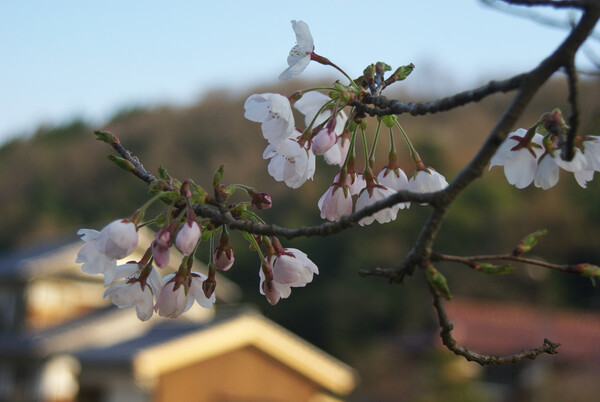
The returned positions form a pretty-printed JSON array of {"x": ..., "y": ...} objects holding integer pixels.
[{"x": 64, "y": 59}]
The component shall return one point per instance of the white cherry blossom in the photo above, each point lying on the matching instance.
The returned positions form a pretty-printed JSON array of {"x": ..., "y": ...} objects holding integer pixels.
[
  {"x": 174, "y": 300},
  {"x": 519, "y": 165},
  {"x": 300, "y": 54},
  {"x": 367, "y": 198},
  {"x": 309, "y": 105},
  {"x": 426, "y": 181},
  {"x": 102, "y": 249},
  {"x": 289, "y": 271},
  {"x": 134, "y": 291},
  {"x": 337, "y": 153},
  {"x": 394, "y": 179},
  {"x": 546, "y": 175},
  {"x": 290, "y": 163},
  {"x": 274, "y": 113},
  {"x": 335, "y": 203}
]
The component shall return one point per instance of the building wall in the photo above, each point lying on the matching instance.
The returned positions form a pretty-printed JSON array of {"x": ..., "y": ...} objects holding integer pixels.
[{"x": 246, "y": 374}]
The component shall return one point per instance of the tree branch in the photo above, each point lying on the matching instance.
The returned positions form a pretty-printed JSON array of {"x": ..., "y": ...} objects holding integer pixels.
[{"x": 481, "y": 358}]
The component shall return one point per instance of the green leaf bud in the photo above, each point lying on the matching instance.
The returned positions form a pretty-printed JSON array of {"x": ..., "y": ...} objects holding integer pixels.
[
  {"x": 529, "y": 242},
  {"x": 122, "y": 163},
  {"x": 438, "y": 282}
]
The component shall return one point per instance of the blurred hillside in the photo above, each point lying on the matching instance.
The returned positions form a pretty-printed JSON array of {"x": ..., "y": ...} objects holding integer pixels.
[{"x": 59, "y": 180}]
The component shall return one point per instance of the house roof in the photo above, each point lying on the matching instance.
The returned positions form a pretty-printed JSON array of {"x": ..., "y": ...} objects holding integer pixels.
[
  {"x": 502, "y": 328},
  {"x": 247, "y": 329}
]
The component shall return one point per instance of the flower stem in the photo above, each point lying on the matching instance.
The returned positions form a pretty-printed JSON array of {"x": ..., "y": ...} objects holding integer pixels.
[
  {"x": 372, "y": 155},
  {"x": 414, "y": 155}
]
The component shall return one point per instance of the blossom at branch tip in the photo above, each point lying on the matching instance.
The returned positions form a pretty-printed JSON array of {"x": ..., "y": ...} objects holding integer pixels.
[
  {"x": 102, "y": 249},
  {"x": 188, "y": 237},
  {"x": 177, "y": 297},
  {"x": 335, "y": 203},
  {"x": 519, "y": 160},
  {"x": 370, "y": 195},
  {"x": 291, "y": 269},
  {"x": 426, "y": 181},
  {"x": 546, "y": 175},
  {"x": 300, "y": 54},
  {"x": 135, "y": 291},
  {"x": 274, "y": 113},
  {"x": 290, "y": 163}
]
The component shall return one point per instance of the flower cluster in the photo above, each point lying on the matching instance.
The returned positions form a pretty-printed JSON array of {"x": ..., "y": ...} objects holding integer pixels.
[
  {"x": 139, "y": 283},
  {"x": 528, "y": 156},
  {"x": 330, "y": 132}
]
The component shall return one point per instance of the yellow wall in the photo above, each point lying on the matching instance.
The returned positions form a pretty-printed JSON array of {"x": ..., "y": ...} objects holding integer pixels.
[{"x": 245, "y": 374}]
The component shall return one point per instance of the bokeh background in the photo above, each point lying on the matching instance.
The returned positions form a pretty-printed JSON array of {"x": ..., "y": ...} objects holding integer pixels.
[{"x": 170, "y": 80}]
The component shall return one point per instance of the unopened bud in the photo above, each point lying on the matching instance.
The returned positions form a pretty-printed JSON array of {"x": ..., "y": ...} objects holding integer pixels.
[
  {"x": 261, "y": 200},
  {"x": 438, "y": 282},
  {"x": 529, "y": 242},
  {"x": 209, "y": 286},
  {"x": 493, "y": 269}
]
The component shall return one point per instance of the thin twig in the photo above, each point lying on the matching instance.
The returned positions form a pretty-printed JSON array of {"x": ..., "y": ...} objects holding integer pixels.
[
  {"x": 482, "y": 358},
  {"x": 570, "y": 269}
]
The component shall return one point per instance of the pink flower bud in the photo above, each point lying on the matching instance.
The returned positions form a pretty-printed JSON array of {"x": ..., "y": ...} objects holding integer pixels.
[
  {"x": 161, "y": 254},
  {"x": 323, "y": 141},
  {"x": 208, "y": 286},
  {"x": 261, "y": 200},
  {"x": 188, "y": 237},
  {"x": 223, "y": 257}
]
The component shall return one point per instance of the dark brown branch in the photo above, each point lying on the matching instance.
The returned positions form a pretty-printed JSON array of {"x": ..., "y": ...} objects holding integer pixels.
[
  {"x": 383, "y": 106},
  {"x": 481, "y": 358},
  {"x": 583, "y": 4}
]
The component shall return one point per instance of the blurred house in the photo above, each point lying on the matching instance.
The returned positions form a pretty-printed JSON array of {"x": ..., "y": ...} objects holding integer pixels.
[
  {"x": 61, "y": 341},
  {"x": 505, "y": 328}
]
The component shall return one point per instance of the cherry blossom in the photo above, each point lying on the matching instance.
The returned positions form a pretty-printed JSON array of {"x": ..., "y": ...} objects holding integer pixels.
[
  {"x": 300, "y": 54},
  {"x": 176, "y": 298},
  {"x": 370, "y": 195},
  {"x": 592, "y": 152},
  {"x": 102, "y": 249},
  {"x": 309, "y": 105},
  {"x": 518, "y": 158},
  {"x": 335, "y": 203},
  {"x": 275, "y": 114},
  {"x": 291, "y": 268},
  {"x": 188, "y": 237},
  {"x": 290, "y": 163},
  {"x": 394, "y": 179},
  {"x": 546, "y": 175},
  {"x": 337, "y": 153},
  {"x": 426, "y": 181},
  {"x": 135, "y": 290}
]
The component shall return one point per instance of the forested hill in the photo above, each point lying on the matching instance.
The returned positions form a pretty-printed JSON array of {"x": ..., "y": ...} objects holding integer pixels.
[{"x": 59, "y": 178}]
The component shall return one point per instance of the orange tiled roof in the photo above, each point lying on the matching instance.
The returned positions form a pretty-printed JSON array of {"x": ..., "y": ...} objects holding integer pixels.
[{"x": 502, "y": 328}]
